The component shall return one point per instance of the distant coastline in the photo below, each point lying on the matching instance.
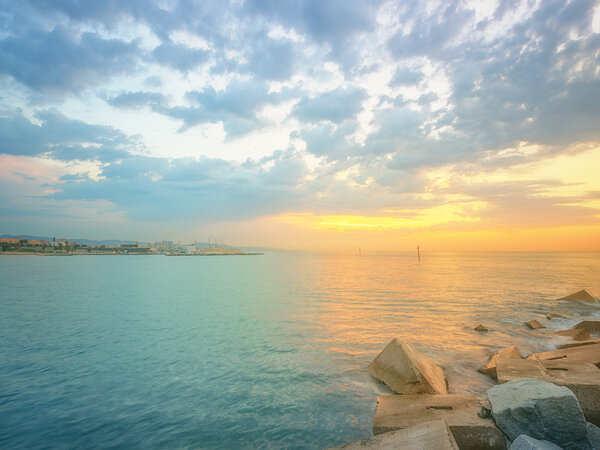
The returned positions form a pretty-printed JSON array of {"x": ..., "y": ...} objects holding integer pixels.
[
  {"x": 125, "y": 254},
  {"x": 40, "y": 246}
]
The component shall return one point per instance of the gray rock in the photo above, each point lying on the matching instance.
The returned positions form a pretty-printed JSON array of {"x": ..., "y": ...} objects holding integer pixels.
[
  {"x": 541, "y": 410},
  {"x": 525, "y": 442},
  {"x": 594, "y": 435}
]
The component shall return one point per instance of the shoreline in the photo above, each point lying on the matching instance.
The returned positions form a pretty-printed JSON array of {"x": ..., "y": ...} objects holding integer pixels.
[{"x": 122, "y": 254}]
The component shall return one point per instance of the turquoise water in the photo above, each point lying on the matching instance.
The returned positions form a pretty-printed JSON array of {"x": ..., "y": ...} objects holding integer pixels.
[{"x": 252, "y": 352}]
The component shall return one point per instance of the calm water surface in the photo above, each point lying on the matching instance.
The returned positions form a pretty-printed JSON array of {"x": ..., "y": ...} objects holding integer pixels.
[{"x": 252, "y": 352}]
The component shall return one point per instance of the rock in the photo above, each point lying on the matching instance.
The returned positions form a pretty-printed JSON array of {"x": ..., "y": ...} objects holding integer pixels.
[
  {"x": 579, "y": 344},
  {"x": 594, "y": 435},
  {"x": 581, "y": 296},
  {"x": 524, "y": 442},
  {"x": 510, "y": 370},
  {"x": 460, "y": 411},
  {"x": 591, "y": 326},
  {"x": 585, "y": 353},
  {"x": 534, "y": 324},
  {"x": 581, "y": 378},
  {"x": 578, "y": 334},
  {"x": 485, "y": 412},
  {"x": 556, "y": 316},
  {"x": 406, "y": 371},
  {"x": 506, "y": 353},
  {"x": 424, "y": 436},
  {"x": 541, "y": 410},
  {"x": 480, "y": 328}
]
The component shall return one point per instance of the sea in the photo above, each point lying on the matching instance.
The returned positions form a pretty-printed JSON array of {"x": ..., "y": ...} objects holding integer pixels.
[{"x": 264, "y": 351}]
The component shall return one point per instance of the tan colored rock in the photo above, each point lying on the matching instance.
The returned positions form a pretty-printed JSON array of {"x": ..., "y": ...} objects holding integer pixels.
[
  {"x": 460, "y": 411},
  {"x": 423, "y": 436},
  {"x": 406, "y": 371},
  {"x": 582, "y": 354},
  {"x": 578, "y": 334},
  {"x": 510, "y": 353},
  {"x": 591, "y": 326},
  {"x": 534, "y": 324},
  {"x": 579, "y": 344},
  {"x": 581, "y": 296},
  {"x": 583, "y": 379},
  {"x": 480, "y": 328},
  {"x": 556, "y": 316},
  {"x": 510, "y": 370}
]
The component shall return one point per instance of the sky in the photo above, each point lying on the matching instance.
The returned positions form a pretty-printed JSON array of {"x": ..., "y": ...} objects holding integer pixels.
[{"x": 303, "y": 124}]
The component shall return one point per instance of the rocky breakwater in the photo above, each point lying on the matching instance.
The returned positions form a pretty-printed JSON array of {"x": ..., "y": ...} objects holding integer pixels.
[
  {"x": 423, "y": 399},
  {"x": 536, "y": 414},
  {"x": 547, "y": 401}
]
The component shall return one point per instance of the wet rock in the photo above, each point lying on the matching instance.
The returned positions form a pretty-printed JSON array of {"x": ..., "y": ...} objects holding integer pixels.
[
  {"x": 480, "y": 328},
  {"x": 594, "y": 435},
  {"x": 585, "y": 353},
  {"x": 524, "y": 442},
  {"x": 424, "y": 436},
  {"x": 460, "y": 411},
  {"x": 506, "y": 353},
  {"x": 406, "y": 371},
  {"x": 577, "y": 334},
  {"x": 591, "y": 326},
  {"x": 556, "y": 316},
  {"x": 581, "y": 378},
  {"x": 534, "y": 324},
  {"x": 582, "y": 296},
  {"x": 579, "y": 344},
  {"x": 541, "y": 410}
]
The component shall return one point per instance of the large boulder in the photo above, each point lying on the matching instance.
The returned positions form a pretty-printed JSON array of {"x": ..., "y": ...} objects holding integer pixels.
[
  {"x": 424, "y": 436},
  {"x": 525, "y": 442},
  {"x": 460, "y": 411},
  {"x": 406, "y": 371},
  {"x": 577, "y": 334},
  {"x": 541, "y": 410},
  {"x": 580, "y": 378},
  {"x": 591, "y": 326},
  {"x": 503, "y": 353},
  {"x": 581, "y": 296}
]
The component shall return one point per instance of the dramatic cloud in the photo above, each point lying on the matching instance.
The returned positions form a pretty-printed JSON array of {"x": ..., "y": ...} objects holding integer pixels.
[
  {"x": 62, "y": 60},
  {"x": 61, "y": 138},
  {"x": 203, "y": 111}
]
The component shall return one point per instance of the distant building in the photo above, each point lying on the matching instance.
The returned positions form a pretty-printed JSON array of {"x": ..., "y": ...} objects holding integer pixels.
[
  {"x": 10, "y": 240},
  {"x": 37, "y": 243}
]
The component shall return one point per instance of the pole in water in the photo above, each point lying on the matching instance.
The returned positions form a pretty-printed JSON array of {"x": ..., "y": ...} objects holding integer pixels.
[{"x": 419, "y": 252}]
